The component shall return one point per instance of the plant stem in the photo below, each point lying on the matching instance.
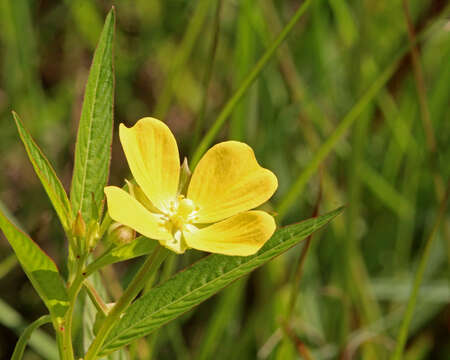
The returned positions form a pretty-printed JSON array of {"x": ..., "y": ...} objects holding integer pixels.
[
  {"x": 67, "y": 350},
  {"x": 231, "y": 104},
  {"x": 403, "y": 333},
  {"x": 149, "y": 267},
  {"x": 95, "y": 298}
]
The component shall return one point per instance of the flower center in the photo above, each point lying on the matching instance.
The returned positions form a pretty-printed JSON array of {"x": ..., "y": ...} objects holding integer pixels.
[
  {"x": 182, "y": 212},
  {"x": 178, "y": 218}
]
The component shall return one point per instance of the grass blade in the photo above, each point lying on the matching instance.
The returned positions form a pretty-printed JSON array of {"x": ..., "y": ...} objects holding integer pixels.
[
  {"x": 403, "y": 333},
  {"x": 93, "y": 149},
  {"x": 200, "y": 281},
  {"x": 185, "y": 50},
  {"x": 231, "y": 104},
  {"x": 39, "y": 341},
  {"x": 332, "y": 140},
  {"x": 7, "y": 264},
  {"x": 26, "y": 335},
  {"x": 385, "y": 191}
]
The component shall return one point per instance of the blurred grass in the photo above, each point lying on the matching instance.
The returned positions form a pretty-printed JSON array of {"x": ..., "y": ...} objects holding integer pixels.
[{"x": 324, "y": 100}]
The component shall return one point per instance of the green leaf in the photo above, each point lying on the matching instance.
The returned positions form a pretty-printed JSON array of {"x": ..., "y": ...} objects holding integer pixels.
[
  {"x": 40, "y": 269},
  {"x": 200, "y": 281},
  {"x": 93, "y": 149},
  {"x": 47, "y": 175},
  {"x": 138, "y": 247},
  {"x": 26, "y": 335}
]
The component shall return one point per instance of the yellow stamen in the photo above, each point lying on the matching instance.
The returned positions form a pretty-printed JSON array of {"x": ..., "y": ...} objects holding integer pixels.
[{"x": 177, "y": 219}]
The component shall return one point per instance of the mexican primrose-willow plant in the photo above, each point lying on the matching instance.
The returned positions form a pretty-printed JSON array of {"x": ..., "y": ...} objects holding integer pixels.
[{"x": 208, "y": 211}]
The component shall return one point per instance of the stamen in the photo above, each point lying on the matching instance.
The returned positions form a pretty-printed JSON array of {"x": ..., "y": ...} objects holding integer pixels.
[{"x": 180, "y": 216}]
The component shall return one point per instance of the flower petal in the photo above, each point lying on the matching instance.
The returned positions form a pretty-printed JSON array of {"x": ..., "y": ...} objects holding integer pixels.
[
  {"x": 243, "y": 234},
  {"x": 126, "y": 210},
  {"x": 152, "y": 154},
  {"x": 229, "y": 180}
]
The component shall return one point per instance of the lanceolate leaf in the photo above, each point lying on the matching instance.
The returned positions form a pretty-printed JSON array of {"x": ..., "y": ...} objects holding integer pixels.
[
  {"x": 138, "y": 247},
  {"x": 47, "y": 175},
  {"x": 200, "y": 281},
  {"x": 40, "y": 269},
  {"x": 93, "y": 149}
]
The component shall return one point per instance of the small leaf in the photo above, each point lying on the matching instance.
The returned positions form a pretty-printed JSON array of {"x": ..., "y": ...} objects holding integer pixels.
[
  {"x": 93, "y": 149},
  {"x": 40, "y": 269},
  {"x": 47, "y": 175},
  {"x": 200, "y": 281},
  {"x": 138, "y": 247}
]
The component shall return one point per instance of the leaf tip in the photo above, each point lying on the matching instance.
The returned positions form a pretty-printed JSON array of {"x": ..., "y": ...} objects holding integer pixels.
[
  {"x": 15, "y": 115},
  {"x": 112, "y": 12}
]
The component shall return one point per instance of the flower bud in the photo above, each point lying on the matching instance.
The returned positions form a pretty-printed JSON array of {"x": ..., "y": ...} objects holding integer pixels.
[
  {"x": 78, "y": 239},
  {"x": 120, "y": 234},
  {"x": 185, "y": 177},
  {"x": 79, "y": 226},
  {"x": 93, "y": 234}
]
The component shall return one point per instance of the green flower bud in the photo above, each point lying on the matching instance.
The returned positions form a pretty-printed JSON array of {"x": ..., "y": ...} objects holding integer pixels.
[
  {"x": 93, "y": 234},
  {"x": 79, "y": 226},
  {"x": 185, "y": 177},
  {"x": 78, "y": 238},
  {"x": 120, "y": 234}
]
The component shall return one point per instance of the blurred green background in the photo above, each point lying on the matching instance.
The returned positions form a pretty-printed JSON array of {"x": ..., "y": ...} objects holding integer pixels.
[{"x": 181, "y": 61}]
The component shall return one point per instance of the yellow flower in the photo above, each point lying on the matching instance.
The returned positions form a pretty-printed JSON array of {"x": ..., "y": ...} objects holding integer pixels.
[{"x": 214, "y": 213}]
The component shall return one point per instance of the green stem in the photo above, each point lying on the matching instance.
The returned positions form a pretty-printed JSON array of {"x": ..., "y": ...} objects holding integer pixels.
[
  {"x": 403, "y": 333},
  {"x": 73, "y": 293},
  {"x": 95, "y": 298},
  {"x": 229, "y": 107},
  {"x": 149, "y": 267},
  {"x": 67, "y": 333},
  {"x": 23, "y": 340}
]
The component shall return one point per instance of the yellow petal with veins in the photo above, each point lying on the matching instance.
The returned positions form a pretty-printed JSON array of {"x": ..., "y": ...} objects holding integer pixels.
[
  {"x": 126, "y": 210},
  {"x": 152, "y": 154},
  {"x": 242, "y": 235},
  {"x": 229, "y": 180}
]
